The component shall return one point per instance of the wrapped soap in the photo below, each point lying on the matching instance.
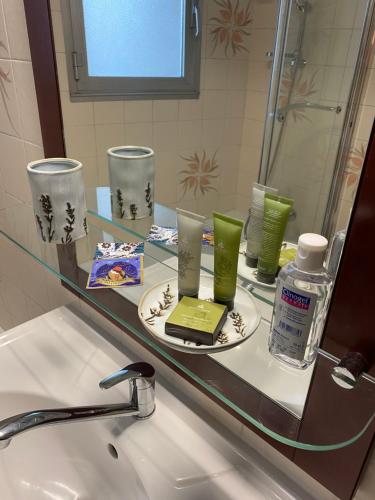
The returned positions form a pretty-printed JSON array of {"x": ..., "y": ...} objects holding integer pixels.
[{"x": 196, "y": 320}]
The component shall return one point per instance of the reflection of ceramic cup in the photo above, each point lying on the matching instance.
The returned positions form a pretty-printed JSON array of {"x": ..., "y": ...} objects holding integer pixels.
[
  {"x": 131, "y": 177},
  {"x": 58, "y": 198}
]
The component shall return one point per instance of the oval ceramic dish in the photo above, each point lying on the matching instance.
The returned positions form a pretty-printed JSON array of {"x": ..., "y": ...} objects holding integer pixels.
[{"x": 157, "y": 303}]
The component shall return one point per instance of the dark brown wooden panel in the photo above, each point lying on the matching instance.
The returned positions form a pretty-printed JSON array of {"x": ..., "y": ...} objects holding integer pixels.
[
  {"x": 333, "y": 415},
  {"x": 350, "y": 323},
  {"x": 39, "y": 25}
]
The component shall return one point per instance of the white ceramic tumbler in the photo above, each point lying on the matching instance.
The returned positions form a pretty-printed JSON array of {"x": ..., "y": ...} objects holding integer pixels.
[
  {"x": 131, "y": 178},
  {"x": 58, "y": 199}
]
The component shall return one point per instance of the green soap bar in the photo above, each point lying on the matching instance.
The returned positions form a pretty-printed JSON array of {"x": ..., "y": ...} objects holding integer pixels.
[{"x": 196, "y": 320}]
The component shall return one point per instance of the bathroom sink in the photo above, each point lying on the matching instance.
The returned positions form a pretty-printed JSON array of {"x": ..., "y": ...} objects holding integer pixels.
[
  {"x": 67, "y": 462},
  {"x": 57, "y": 360}
]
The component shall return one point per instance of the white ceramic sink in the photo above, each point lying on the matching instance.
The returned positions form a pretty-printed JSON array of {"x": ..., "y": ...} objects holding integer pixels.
[{"x": 57, "y": 360}]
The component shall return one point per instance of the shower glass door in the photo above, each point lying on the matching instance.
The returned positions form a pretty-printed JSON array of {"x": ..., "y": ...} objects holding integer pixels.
[{"x": 318, "y": 52}]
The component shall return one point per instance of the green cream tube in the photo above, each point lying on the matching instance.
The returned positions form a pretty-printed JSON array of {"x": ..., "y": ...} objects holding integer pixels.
[
  {"x": 190, "y": 230},
  {"x": 276, "y": 213},
  {"x": 227, "y": 237}
]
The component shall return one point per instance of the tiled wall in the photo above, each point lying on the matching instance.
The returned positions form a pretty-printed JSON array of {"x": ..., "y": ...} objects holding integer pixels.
[
  {"x": 361, "y": 137},
  {"x": 25, "y": 288},
  {"x": 263, "y": 28},
  {"x": 184, "y": 133},
  {"x": 309, "y": 138}
]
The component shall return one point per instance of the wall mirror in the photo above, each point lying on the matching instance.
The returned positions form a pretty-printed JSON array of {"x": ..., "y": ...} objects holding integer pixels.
[{"x": 277, "y": 97}]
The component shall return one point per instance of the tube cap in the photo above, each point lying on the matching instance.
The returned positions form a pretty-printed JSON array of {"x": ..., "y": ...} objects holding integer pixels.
[
  {"x": 251, "y": 261},
  {"x": 311, "y": 251},
  {"x": 228, "y": 303}
]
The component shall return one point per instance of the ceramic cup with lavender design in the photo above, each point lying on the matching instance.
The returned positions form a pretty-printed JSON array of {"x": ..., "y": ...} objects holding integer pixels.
[
  {"x": 58, "y": 196},
  {"x": 131, "y": 178}
]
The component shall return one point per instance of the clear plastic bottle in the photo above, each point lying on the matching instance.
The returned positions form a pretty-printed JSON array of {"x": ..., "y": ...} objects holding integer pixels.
[{"x": 301, "y": 302}]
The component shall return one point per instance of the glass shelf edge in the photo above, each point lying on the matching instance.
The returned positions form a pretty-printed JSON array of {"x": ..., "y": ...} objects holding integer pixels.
[{"x": 189, "y": 373}]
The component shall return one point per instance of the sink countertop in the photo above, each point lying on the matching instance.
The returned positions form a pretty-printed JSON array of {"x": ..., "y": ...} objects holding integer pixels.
[{"x": 176, "y": 454}]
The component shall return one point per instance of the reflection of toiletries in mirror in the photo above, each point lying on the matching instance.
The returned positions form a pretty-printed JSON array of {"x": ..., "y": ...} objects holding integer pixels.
[
  {"x": 301, "y": 302},
  {"x": 254, "y": 225},
  {"x": 335, "y": 252},
  {"x": 227, "y": 236},
  {"x": 276, "y": 213},
  {"x": 190, "y": 230}
]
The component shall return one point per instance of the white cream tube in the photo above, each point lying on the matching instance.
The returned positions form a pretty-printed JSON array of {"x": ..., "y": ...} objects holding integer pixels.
[
  {"x": 190, "y": 230},
  {"x": 254, "y": 226}
]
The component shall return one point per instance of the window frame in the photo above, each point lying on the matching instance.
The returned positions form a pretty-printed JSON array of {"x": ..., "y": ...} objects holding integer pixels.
[{"x": 89, "y": 88}]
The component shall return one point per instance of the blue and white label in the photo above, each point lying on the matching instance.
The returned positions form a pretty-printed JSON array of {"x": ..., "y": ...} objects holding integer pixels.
[{"x": 293, "y": 316}]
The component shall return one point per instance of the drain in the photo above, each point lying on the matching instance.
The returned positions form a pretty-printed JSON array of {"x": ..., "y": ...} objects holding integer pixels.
[{"x": 112, "y": 451}]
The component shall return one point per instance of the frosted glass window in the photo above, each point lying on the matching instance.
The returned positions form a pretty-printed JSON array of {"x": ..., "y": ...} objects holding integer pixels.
[{"x": 135, "y": 38}]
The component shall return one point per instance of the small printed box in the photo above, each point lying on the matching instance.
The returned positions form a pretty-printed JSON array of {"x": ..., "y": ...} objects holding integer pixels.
[{"x": 196, "y": 320}]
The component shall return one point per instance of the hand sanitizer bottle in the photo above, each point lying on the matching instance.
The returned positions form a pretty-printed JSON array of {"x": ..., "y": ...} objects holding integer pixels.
[{"x": 301, "y": 302}]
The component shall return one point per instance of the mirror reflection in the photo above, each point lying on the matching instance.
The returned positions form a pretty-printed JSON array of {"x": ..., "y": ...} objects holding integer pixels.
[{"x": 264, "y": 92}]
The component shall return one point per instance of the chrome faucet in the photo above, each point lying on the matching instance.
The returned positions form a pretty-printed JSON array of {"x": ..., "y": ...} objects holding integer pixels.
[{"x": 141, "y": 378}]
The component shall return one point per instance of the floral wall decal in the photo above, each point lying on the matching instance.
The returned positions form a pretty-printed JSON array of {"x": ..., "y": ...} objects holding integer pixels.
[
  {"x": 229, "y": 29},
  {"x": 353, "y": 167},
  {"x": 4, "y": 78},
  {"x": 299, "y": 90},
  {"x": 199, "y": 175}
]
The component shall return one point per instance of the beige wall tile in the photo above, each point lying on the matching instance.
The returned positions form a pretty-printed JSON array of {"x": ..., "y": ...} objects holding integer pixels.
[
  {"x": 16, "y": 29},
  {"x": 4, "y": 45},
  {"x": 259, "y": 76},
  {"x": 108, "y": 136},
  {"x": 9, "y": 116},
  {"x": 256, "y": 105},
  {"x": 58, "y": 33},
  {"x": 233, "y": 131},
  {"x": 215, "y": 74},
  {"x": 366, "y": 120},
  {"x": 237, "y": 75},
  {"x": 139, "y": 134},
  {"x": 80, "y": 140},
  {"x": 369, "y": 96},
  {"x": 262, "y": 41},
  {"x": 107, "y": 112},
  {"x": 27, "y": 104},
  {"x": 62, "y": 72},
  {"x": 213, "y": 133},
  {"x": 76, "y": 113},
  {"x": 55, "y": 5},
  {"x": 190, "y": 109},
  {"x": 165, "y": 111},
  {"x": 165, "y": 136},
  {"x": 138, "y": 111},
  {"x": 345, "y": 14},
  {"x": 190, "y": 134},
  {"x": 13, "y": 167},
  {"x": 264, "y": 14},
  {"x": 90, "y": 172},
  {"x": 214, "y": 104},
  {"x": 253, "y": 134},
  {"x": 235, "y": 106}
]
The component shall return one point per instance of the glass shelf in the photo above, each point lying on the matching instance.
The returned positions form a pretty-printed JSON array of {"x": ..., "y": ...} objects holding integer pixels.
[{"x": 270, "y": 385}]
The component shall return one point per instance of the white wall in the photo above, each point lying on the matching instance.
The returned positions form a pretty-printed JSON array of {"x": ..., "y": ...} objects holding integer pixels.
[{"x": 26, "y": 290}]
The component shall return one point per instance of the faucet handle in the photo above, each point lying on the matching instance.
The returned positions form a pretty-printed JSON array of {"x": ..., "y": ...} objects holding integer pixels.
[{"x": 141, "y": 372}]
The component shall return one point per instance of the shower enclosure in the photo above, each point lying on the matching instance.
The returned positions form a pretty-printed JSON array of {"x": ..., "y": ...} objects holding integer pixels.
[{"x": 319, "y": 63}]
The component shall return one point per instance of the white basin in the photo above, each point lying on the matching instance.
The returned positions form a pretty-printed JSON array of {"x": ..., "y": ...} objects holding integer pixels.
[
  {"x": 57, "y": 360},
  {"x": 65, "y": 462}
]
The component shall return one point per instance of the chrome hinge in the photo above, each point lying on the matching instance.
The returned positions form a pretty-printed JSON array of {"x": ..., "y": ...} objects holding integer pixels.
[{"x": 77, "y": 63}]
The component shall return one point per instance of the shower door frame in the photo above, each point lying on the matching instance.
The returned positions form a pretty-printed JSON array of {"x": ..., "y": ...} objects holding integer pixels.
[{"x": 351, "y": 112}]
